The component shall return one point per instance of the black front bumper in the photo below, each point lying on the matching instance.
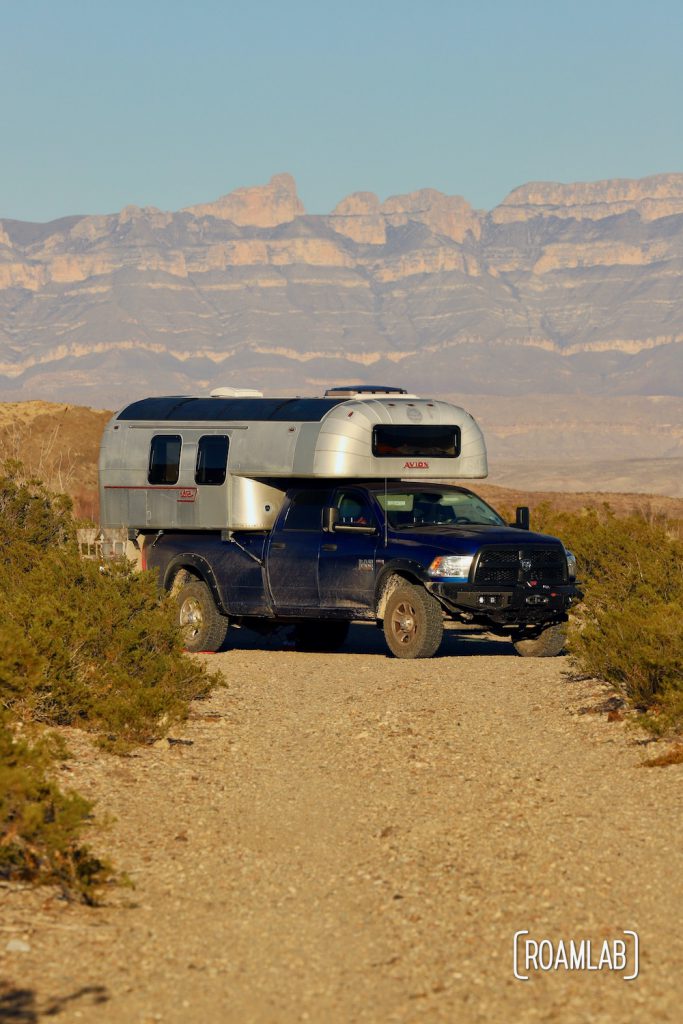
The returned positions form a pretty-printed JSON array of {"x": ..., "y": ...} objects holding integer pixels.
[{"x": 519, "y": 604}]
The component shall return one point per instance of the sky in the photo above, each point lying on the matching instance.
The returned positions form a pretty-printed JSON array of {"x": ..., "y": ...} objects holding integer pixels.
[{"x": 161, "y": 103}]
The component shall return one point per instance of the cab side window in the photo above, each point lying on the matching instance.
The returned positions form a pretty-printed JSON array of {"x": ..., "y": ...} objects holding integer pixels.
[
  {"x": 164, "y": 459},
  {"x": 354, "y": 509},
  {"x": 305, "y": 511}
]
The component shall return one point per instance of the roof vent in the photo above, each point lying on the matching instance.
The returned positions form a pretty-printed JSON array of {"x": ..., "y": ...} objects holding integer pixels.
[
  {"x": 365, "y": 391},
  {"x": 236, "y": 393}
]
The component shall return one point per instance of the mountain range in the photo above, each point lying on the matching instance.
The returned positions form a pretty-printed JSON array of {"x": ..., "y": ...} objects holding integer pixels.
[{"x": 563, "y": 304}]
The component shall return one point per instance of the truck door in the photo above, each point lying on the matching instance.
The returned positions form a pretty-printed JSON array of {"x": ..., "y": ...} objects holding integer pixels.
[
  {"x": 293, "y": 554},
  {"x": 346, "y": 570}
]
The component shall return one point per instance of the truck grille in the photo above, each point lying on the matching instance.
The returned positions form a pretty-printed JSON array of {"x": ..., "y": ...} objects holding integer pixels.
[{"x": 505, "y": 566}]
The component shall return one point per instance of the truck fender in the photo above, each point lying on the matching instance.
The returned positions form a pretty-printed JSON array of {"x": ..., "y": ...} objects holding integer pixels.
[
  {"x": 193, "y": 565},
  {"x": 387, "y": 581}
]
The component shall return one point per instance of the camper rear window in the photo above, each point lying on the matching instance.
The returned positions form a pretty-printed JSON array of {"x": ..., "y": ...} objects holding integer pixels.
[
  {"x": 212, "y": 459},
  {"x": 419, "y": 441},
  {"x": 164, "y": 459}
]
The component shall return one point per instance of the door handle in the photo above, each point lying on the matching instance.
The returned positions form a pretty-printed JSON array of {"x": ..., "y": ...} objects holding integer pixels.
[
  {"x": 328, "y": 547},
  {"x": 279, "y": 544}
]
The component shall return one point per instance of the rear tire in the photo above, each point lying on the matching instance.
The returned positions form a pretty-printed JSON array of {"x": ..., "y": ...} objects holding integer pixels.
[
  {"x": 202, "y": 626},
  {"x": 547, "y": 644},
  {"x": 413, "y": 622},
  {"x": 321, "y": 635}
]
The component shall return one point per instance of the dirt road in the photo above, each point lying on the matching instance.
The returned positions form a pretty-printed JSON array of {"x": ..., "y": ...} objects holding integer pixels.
[{"x": 353, "y": 838}]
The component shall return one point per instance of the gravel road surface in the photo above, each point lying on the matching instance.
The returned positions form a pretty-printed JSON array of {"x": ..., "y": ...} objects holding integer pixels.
[{"x": 352, "y": 838}]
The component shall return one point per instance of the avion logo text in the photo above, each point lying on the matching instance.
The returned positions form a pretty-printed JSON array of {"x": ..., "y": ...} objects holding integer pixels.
[{"x": 419, "y": 464}]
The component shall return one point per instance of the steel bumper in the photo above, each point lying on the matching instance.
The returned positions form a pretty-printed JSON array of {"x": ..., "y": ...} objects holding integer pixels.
[{"x": 523, "y": 602}]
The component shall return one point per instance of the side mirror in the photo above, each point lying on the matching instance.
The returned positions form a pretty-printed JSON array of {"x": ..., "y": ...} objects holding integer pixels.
[
  {"x": 522, "y": 518},
  {"x": 330, "y": 519}
]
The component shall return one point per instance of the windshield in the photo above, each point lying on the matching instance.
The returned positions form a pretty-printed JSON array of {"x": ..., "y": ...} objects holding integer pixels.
[{"x": 412, "y": 506}]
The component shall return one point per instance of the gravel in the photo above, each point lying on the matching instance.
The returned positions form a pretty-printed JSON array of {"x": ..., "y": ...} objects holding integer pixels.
[{"x": 352, "y": 838}]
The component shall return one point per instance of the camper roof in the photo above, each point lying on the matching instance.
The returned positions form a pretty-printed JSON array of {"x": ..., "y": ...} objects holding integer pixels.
[{"x": 193, "y": 410}]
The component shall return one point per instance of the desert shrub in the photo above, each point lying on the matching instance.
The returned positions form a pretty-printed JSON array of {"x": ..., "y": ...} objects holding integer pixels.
[
  {"x": 30, "y": 514},
  {"x": 81, "y": 646},
  {"x": 78, "y": 646},
  {"x": 629, "y": 628},
  {"x": 41, "y": 826}
]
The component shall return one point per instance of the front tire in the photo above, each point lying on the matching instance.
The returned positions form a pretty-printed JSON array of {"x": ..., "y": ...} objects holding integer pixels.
[
  {"x": 321, "y": 635},
  {"x": 547, "y": 644},
  {"x": 202, "y": 626},
  {"x": 413, "y": 622}
]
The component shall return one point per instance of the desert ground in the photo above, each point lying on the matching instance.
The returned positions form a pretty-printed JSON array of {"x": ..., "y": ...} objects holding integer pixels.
[{"x": 348, "y": 837}]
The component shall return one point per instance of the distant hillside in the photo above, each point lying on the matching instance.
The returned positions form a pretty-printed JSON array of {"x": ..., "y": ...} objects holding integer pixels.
[
  {"x": 562, "y": 290},
  {"x": 59, "y": 444}
]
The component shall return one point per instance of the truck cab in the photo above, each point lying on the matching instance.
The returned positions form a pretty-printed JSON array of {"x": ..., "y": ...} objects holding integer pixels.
[{"x": 409, "y": 556}]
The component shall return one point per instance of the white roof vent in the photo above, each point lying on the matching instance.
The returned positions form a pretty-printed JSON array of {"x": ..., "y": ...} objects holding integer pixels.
[{"x": 236, "y": 393}]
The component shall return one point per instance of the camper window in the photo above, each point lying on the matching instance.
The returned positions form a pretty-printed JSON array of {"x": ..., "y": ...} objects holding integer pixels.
[
  {"x": 212, "y": 459},
  {"x": 164, "y": 459},
  {"x": 407, "y": 441}
]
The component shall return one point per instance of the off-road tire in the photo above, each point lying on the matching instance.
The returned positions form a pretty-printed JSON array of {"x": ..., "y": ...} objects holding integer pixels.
[
  {"x": 321, "y": 635},
  {"x": 547, "y": 644},
  {"x": 202, "y": 626},
  {"x": 413, "y": 622}
]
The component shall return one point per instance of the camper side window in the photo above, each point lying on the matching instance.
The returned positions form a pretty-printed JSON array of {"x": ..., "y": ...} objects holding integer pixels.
[
  {"x": 212, "y": 459},
  {"x": 164, "y": 459}
]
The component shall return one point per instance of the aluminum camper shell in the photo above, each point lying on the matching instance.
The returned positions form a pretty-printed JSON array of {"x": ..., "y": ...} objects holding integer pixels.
[{"x": 270, "y": 443}]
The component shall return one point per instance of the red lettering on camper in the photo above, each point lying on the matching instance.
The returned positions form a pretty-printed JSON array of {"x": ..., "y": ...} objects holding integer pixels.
[
  {"x": 420, "y": 464},
  {"x": 187, "y": 494}
]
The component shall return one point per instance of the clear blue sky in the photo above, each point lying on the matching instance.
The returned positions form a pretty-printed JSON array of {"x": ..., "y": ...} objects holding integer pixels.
[{"x": 164, "y": 103}]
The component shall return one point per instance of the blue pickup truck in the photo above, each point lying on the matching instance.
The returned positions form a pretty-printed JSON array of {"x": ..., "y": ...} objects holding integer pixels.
[{"x": 407, "y": 555}]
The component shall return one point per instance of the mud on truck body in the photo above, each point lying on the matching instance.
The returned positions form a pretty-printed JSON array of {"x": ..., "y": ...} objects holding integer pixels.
[{"x": 317, "y": 512}]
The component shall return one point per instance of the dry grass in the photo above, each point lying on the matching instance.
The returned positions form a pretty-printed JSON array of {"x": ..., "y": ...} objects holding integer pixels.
[
  {"x": 652, "y": 507},
  {"x": 59, "y": 445},
  {"x": 674, "y": 755}
]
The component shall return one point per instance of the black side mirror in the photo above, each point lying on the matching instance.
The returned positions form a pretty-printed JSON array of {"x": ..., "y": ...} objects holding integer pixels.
[
  {"x": 522, "y": 517},
  {"x": 330, "y": 519}
]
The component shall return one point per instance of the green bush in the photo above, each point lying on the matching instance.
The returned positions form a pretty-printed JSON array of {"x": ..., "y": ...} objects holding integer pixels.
[
  {"x": 629, "y": 628},
  {"x": 81, "y": 646},
  {"x": 41, "y": 826},
  {"x": 78, "y": 646}
]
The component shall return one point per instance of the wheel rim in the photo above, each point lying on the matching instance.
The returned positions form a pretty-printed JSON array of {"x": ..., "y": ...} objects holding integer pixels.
[
  {"x": 191, "y": 618},
  {"x": 404, "y": 623}
]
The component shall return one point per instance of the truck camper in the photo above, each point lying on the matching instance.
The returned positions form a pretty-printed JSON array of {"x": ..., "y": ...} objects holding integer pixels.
[
  {"x": 226, "y": 462},
  {"x": 320, "y": 511}
]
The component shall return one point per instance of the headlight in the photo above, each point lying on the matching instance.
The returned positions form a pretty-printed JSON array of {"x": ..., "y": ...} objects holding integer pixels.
[
  {"x": 454, "y": 567},
  {"x": 571, "y": 564}
]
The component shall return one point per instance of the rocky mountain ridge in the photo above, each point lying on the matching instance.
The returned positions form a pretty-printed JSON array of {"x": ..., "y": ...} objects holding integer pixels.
[{"x": 561, "y": 289}]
